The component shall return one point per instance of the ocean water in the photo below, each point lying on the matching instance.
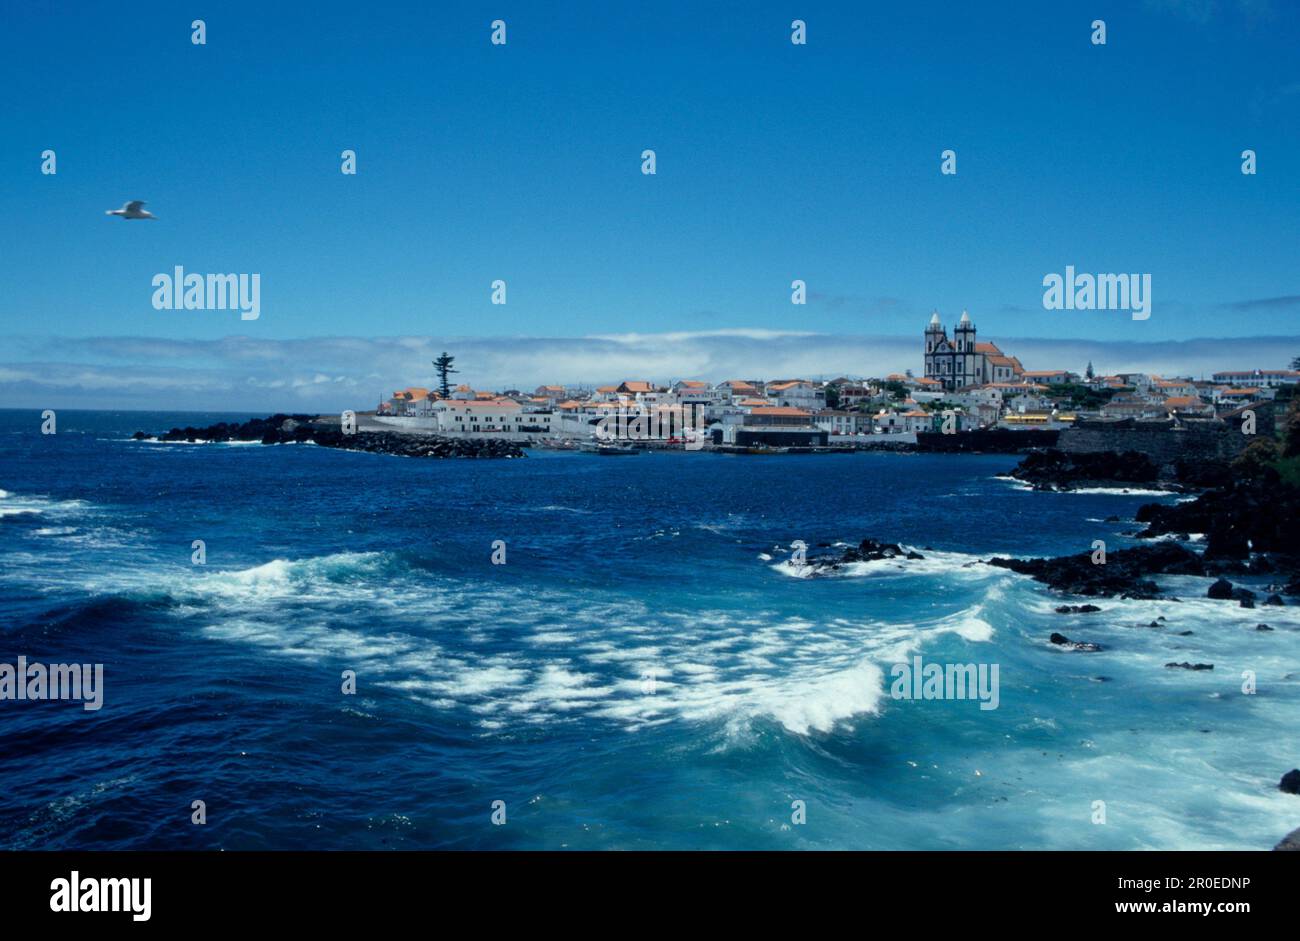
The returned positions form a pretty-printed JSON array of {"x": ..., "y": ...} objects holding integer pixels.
[{"x": 642, "y": 673}]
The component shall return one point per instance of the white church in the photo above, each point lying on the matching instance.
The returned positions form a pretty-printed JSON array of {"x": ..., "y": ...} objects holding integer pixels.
[{"x": 963, "y": 361}]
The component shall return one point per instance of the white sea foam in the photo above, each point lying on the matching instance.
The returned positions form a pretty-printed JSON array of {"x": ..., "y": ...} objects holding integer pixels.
[
  {"x": 968, "y": 626},
  {"x": 31, "y": 504},
  {"x": 503, "y": 659},
  {"x": 619, "y": 659},
  {"x": 279, "y": 578},
  {"x": 1115, "y": 490},
  {"x": 947, "y": 564},
  {"x": 1120, "y": 490},
  {"x": 820, "y": 703}
]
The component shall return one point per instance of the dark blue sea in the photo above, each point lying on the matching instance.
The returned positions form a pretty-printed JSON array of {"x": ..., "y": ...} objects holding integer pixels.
[{"x": 643, "y": 672}]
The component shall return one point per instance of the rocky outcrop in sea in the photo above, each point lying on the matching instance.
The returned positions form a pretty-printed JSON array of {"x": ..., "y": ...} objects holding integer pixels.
[
  {"x": 1240, "y": 521},
  {"x": 1248, "y": 525},
  {"x": 1054, "y": 469},
  {"x": 302, "y": 429},
  {"x": 869, "y": 550},
  {"x": 1061, "y": 640},
  {"x": 1125, "y": 573}
]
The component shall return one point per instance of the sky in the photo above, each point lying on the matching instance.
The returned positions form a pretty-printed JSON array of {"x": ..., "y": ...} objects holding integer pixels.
[{"x": 522, "y": 163}]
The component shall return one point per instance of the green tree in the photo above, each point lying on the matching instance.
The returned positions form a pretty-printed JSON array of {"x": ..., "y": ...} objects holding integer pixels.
[
  {"x": 443, "y": 365},
  {"x": 1259, "y": 457},
  {"x": 1291, "y": 430},
  {"x": 832, "y": 396}
]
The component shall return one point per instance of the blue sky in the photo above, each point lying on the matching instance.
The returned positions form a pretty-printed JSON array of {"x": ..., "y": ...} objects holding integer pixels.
[{"x": 522, "y": 162}]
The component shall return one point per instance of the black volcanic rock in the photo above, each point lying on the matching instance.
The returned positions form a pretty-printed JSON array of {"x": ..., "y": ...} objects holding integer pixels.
[
  {"x": 1203, "y": 474},
  {"x": 1053, "y": 469},
  {"x": 869, "y": 550},
  {"x": 1077, "y": 609},
  {"x": 1290, "y": 842},
  {"x": 1190, "y": 666},
  {"x": 301, "y": 429},
  {"x": 1255, "y": 514},
  {"x": 1221, "y": 590},
  {"x": 1123, "y": 574},
  {"x": 988, "y": 440},
  {"x": 1062, "y": 641},
  {"x": 1291, "y": 781},
  {"x": 1274, "y": 600}
]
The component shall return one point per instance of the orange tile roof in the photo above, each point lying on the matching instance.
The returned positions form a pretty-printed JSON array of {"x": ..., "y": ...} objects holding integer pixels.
[{"x": 479, "y": 403}]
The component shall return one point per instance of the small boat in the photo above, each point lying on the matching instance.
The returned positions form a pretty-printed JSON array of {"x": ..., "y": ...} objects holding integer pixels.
[{"x": 608, "y": 450}]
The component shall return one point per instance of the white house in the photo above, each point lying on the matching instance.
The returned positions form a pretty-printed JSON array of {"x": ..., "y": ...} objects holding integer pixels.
[
  {"x": 1258, "y": 378},
  {"x": 480, "y": 416},
  {"x": 796, "y": 393},
  {"x": 838, "y": 422},
  {"x": 892, "y": 423}
]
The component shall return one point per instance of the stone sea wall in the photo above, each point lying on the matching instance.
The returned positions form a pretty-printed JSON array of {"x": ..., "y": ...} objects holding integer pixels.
[{"x": 1164, "y": 446}]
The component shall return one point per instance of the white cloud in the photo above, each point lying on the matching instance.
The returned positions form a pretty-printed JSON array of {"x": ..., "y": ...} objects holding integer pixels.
[{"x": 332, "y": 373}]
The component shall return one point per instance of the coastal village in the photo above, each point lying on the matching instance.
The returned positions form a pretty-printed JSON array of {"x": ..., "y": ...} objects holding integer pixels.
[{"x": 966, "y": 385}]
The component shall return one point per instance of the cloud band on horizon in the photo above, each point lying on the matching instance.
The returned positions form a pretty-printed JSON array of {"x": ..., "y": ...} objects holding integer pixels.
[{"x": 333, "y": 373}]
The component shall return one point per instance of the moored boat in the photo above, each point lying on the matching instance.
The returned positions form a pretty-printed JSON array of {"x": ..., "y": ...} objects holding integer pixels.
[{"x": 608, "y": 450}]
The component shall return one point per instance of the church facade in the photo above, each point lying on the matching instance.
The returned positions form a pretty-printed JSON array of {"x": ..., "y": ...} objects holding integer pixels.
[{"x": 963, "y": 361}]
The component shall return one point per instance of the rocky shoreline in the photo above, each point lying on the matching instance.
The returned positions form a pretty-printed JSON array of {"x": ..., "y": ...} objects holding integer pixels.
[
  {"x": 304, "y": 429},
  {"x": 1053, "y": 469},
  {"x": 1249, "y": 529},
  {"x": 1246, "y": 516},
  {"x": 869, "y": 550}
]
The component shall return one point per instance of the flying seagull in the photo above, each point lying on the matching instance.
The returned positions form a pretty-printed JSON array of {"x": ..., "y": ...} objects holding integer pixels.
[{"x": 132, "y": 210}]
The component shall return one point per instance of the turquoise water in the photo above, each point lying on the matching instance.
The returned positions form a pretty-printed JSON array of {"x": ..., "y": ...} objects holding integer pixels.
[{"x": 642, "y": 672}]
